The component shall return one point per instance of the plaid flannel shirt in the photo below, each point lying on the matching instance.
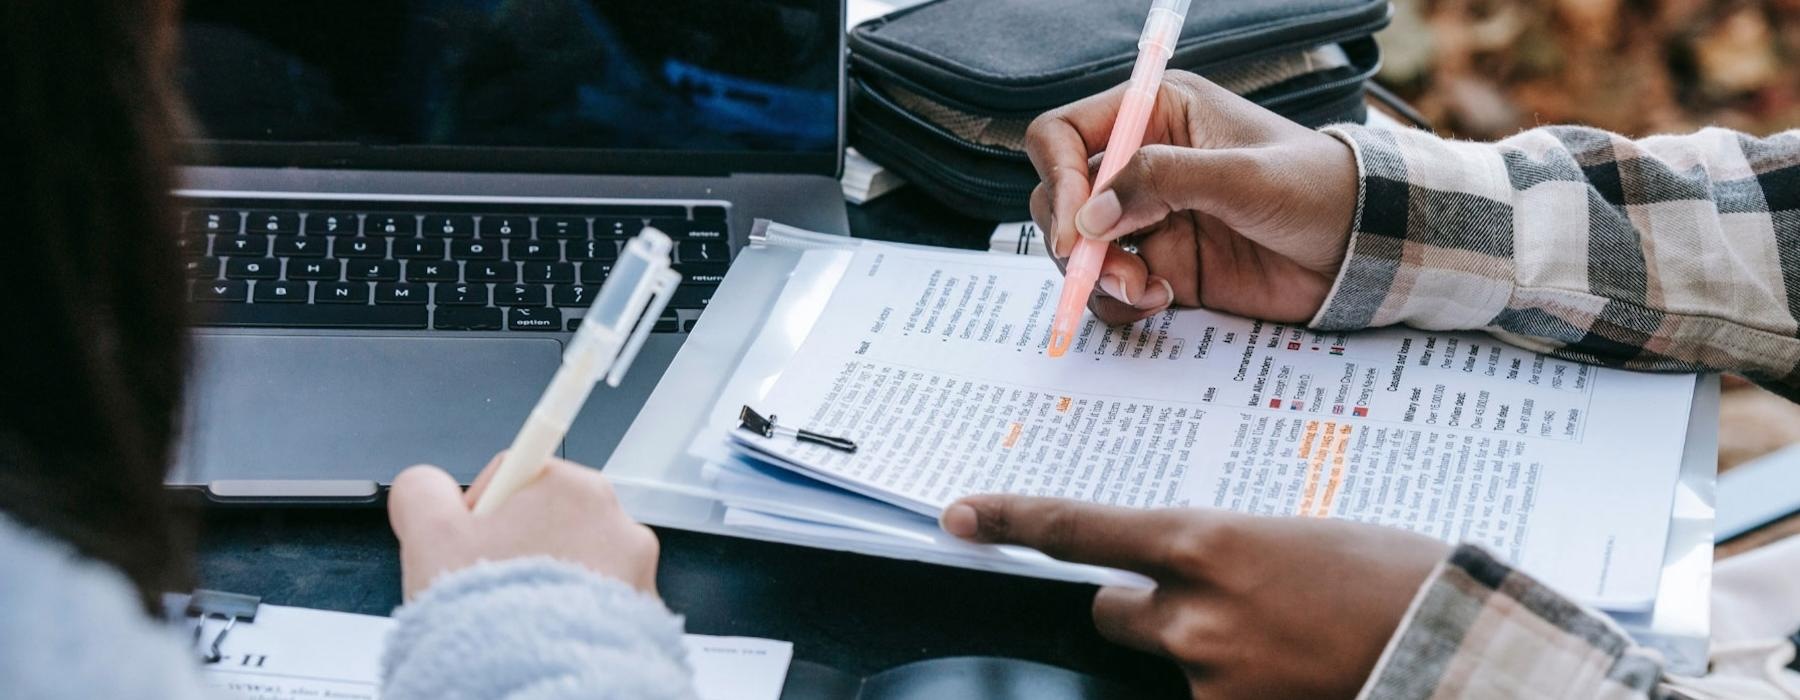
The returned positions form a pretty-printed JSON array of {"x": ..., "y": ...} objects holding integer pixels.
[{"x": 1672, "y": 253}]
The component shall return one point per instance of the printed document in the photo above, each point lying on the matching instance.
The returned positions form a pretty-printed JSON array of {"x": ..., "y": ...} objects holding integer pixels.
[
  {"x": 933, "y": 363},
  {"x": 295, "y": 653}
]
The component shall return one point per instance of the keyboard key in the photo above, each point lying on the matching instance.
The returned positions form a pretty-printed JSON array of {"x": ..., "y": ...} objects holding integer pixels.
[
  {"x": 466, "y": 318},
  {"x": 222, "y": 290},
  {"x": 499, "y": 226},
  {"x": 300, "y": 246},
  {"x": 476, "y": 250},
  {"x": 273, "y": 292},
  {"x": 709, "y": 213},
  {"x": 213, "y": 221},
  {"x": 315, "y": 316},
  {"x": 692, "y": 296},
  {"x": 519, "y": 295},
  {"x": 562, "y": 227},
  {"x": 704, "y": 231},
  {"x": 463, "y": 295},
  {"x": 576, "y": 296},
  {"x": 503, "y": 272},
  {"x": 698, "y": 230},
  {"x": 607, "y": 251},
  {"x": 331, "y": 223},
  {"x": 253, "y": 268},
  {"x": 373, "y": 271},
  {"x": 639, "y": 211},
  {"x": 424, "y": 271},
  {"x": 390, "y": 225},
  {"x": 359, "y": 248},
  {"x": 703, "y": 251},
  {"x": 701, "y": 273},
  {"x": 667, "y": 324},
  {"x": 617, "y": 228},
  {"x": 595, "y": 272},
  {"x": 241, "y": 246},
  {"x": 549, "y": 273},
  {"x": 535, "y": 250},
  {"x": 530, "y": 319},
  {"x": 341, "y": 293},
  {"x": 272, "y": 222},
  {"x": 325, "y": 270},
  {"x": 201, "y": 268},
  {"x": 402, "y": 293},
  {"x": 450, "y": 226},
  {"x": 418, "y": 249}
]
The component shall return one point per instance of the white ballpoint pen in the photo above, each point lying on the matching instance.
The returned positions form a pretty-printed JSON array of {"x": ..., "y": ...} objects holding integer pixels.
[{"x": 609, "y": 338}]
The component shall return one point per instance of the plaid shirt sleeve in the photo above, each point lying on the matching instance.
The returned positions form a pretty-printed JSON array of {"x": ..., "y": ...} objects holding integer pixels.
[
  {"x": 1672, "y": 253},
  {"x": 1480, "y": 629}
]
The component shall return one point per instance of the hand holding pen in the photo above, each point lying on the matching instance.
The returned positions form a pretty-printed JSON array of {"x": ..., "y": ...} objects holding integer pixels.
[
  {"x": 527, "y": 501},
  {"x": 1228, "y": 205}
]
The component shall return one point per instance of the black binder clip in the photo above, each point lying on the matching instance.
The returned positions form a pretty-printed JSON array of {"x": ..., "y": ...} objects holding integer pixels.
[
  {"x": 756, "y": 423},
  {"x": 203, "y": 605}
]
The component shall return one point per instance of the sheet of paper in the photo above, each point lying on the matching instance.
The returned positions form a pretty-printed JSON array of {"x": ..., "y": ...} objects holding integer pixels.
[
  {"x": 738, "y": 668},
  {"x": 294, "y": 653},
  {"x": 932, "y": 361},
  {"x": 298, "y": 653}
]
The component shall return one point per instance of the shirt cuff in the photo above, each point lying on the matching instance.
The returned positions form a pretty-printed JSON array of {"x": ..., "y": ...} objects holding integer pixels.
[
  {"x": 1480, "y": 628},
  {"x": 1431, "y": 241}
]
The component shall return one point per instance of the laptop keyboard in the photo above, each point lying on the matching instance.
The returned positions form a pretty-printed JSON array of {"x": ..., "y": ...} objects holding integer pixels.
[{"x": 433, "y": 266}]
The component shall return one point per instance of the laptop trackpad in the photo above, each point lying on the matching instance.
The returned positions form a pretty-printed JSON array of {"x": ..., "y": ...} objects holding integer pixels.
[{"x": 356, "y": 408}]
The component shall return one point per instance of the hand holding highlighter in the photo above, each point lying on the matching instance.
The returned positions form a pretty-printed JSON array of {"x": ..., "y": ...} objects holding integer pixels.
[{"x": 1161, "y": 30}]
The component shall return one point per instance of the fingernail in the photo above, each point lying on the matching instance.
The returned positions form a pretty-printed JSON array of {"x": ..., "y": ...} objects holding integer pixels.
[
  {"x": 1158, "y": 295},
  {"x": 1062, "y": 245},
  {"x": 960, "y": 520},
  {"x": 1115, "y": 288},
  {"x": 1099, "y": 214}
]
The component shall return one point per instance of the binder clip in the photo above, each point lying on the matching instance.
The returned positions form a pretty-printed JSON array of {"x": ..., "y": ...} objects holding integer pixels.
[
  {"x": 754, "y": 422},
  {"x": 203, "y": 605}
]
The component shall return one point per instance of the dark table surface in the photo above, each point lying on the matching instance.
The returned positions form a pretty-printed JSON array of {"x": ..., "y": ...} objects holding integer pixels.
[{"x": 851, "y": 612}]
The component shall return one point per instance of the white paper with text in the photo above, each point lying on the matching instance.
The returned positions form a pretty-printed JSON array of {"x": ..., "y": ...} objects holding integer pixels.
[
  {"x": 304, "y": 654},
  {"x": 932, "y": 361}
]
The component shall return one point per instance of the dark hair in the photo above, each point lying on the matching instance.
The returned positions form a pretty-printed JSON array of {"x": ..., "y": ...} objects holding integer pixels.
[{"x": 94, "y": 361}]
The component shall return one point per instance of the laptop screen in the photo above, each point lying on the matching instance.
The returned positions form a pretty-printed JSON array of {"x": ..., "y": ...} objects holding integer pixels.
[{"x": 554, "y": 85}]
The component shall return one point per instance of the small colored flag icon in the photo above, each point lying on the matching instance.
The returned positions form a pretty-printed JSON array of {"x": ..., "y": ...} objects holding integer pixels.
[
  {"x": 1274, "y": 403},
  {"x": 1360, "y": 411},
  {"x": 1293, "y": 346},
  {"x": 1337, "y": 349},
  {"x": 1297, "y": 405},
  {"x": 1338, "y": 409}
]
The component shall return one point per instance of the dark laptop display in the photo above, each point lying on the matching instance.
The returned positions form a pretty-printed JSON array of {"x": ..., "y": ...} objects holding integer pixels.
[
  {"x": 398, "y": 210},
  {"x": 580, "y": 84}
]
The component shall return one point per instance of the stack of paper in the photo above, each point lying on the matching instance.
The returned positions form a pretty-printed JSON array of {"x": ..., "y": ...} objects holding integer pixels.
[
  {"x": 932, "y": 361},
  {"x": 864, "y": 180}
]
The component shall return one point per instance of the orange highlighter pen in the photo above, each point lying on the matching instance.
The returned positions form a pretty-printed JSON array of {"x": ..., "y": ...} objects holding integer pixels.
[{"x": 1155, "y": 47}]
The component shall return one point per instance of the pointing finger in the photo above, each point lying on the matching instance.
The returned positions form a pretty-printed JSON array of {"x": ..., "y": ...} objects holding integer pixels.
[{"x": 1122, "y": 538}]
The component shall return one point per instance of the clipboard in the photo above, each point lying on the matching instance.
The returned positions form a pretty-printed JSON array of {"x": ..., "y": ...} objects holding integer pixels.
[{"x": 763, "y": 312}]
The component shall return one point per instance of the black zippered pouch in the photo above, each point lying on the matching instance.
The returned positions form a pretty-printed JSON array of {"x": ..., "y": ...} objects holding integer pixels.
[{"x": 941, "y": 92}]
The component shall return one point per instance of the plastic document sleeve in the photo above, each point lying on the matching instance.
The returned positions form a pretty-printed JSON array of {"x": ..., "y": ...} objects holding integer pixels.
[{"x": 673, "y": 468}]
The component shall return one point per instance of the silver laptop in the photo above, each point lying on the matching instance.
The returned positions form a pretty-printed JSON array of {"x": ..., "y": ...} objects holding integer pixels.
[{"x": 400, "y": 209}]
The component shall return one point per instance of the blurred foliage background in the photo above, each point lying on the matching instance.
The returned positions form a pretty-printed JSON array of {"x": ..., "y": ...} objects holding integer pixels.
[{"x": 1483, "y": 69}]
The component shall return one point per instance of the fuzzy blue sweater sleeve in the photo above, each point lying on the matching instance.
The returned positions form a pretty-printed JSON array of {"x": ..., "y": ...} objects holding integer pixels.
[{"x": 534, "y": 629}]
